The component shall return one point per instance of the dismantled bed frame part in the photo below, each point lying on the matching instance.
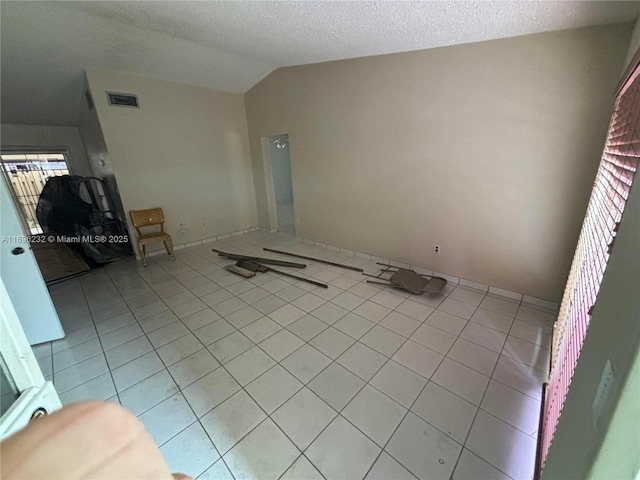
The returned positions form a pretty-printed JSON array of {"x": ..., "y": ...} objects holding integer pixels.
[
  {"x": 319, "y": 260},
  {"x": 264, "y": 261},
  {"x": 403, "y": 278},
  {"x": 408, "y": 280},
  {"x": 256, "y": 267},
  {"x": 240, "y": 271},
  {"x": 248, "y": 266}
]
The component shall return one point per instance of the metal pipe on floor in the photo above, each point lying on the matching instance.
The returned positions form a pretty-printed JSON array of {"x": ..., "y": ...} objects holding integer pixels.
[
  {"x": 319, "y": 260},
  {"x": 269, "y": 261}
]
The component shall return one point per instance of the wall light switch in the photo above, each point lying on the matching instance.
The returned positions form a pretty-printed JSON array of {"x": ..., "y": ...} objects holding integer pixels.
[{"x": 602, "y": 394}]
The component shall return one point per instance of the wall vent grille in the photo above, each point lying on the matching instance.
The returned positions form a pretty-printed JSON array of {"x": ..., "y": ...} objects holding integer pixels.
[{"x": 123, "y": 100}]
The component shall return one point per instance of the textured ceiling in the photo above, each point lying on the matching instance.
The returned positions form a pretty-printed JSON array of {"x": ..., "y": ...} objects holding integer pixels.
[{"x": 233, "y": 45}]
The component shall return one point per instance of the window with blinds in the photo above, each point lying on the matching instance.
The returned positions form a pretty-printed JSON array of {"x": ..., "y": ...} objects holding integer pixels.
[{"x": 610, "y": 192}]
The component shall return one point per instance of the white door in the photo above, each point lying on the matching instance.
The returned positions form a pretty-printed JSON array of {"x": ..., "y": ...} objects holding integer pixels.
[
  {"x": 22, "y": 278},
  {"x": 24, "y": 393}
]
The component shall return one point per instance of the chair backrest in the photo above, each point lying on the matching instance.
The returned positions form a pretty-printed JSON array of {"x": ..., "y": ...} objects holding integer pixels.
[{"x": 147, "y": 218}]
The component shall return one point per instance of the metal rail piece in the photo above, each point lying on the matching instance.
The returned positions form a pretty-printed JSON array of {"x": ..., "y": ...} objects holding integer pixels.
[
  {"x": 266, "y": 261},
  {"x": 319, "y": 260},
  {"x": 256, "y": 267}
]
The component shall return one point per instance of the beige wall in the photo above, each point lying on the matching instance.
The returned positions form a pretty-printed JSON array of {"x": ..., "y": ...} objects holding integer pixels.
[
  {"x": 488, "y": 149},
  {"x": 97, "y": 155},
  {"x": 185, "y": 149},
  {"x": 613, "y": 450},
  {"x": 12, "y": 135},
  {"x": 634, "y": 43}
]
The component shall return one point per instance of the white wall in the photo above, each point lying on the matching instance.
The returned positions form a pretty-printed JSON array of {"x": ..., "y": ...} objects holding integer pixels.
[
  {"x": 185, "y": 150},
  {"x": 488, "y": 149},
  {"x": 48, "y": 136},
  {"x": 281, "y": 167},
  {"x": 97, "y": 155},
  {"x": 578, "y": 450}
]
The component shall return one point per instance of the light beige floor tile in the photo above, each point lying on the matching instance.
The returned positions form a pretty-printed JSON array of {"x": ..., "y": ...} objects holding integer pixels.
[{"x": 341, "y": 451}]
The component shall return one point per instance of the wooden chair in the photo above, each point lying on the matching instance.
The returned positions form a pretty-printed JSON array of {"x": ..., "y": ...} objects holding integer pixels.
[{"x": 150, "y": 218}]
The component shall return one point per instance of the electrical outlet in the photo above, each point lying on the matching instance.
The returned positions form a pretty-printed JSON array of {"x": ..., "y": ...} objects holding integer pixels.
[
  {"x": 602, "y": 394},
  {"x": 436, "y": 248}
]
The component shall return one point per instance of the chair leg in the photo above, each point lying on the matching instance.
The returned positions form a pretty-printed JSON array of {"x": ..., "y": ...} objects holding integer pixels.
[
  {"x": 168, "y": 245},
  {"x": 143, "y": 252}
]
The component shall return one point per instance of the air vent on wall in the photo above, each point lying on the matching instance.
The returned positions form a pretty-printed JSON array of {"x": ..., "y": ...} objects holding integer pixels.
[{"x": 123, "y": 99}]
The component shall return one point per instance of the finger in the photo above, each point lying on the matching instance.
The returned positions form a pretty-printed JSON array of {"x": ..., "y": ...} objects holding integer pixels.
[
  {"x": 34, "y": 448},
  {"x": 74, "y": 441},
  {"x": 42, "y": 428},
  {"x": 139, "y": 459}
]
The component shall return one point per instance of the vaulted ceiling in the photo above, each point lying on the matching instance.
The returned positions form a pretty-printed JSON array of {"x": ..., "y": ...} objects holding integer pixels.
[{"x": 232, "y": 45}]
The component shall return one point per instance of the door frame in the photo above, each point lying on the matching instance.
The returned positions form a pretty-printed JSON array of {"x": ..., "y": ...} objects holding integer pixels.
[
  {"x": 26, "y": 151},
  {"x": 272, "y": 206},
  {"x": 23, "y": 370}
]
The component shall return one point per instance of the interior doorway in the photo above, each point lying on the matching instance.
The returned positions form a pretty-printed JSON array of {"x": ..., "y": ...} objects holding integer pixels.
[{"x": 282, "y": 183}]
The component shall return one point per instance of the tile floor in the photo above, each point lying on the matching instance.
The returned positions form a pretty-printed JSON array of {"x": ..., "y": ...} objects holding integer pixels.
[{"x": 275, "y": 378}]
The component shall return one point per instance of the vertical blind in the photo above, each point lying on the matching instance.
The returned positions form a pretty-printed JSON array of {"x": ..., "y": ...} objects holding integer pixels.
[{"x": 610, "y": 192}]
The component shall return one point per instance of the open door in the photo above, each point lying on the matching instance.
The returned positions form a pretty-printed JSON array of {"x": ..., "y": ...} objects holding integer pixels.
[
  {"x": 21, "y": 276},
  {"x": 24, "y": 392},
  {"x": 27, "y": 316}
]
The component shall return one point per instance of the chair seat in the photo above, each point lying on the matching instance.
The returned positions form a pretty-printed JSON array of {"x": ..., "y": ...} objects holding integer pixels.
[
  {"x": 152, "y": 237},
  {"x": 149, "y": 218}
]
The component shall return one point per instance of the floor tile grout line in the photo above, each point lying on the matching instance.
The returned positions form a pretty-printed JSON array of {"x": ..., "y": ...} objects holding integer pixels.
[
  {"x": 199, "y": 422},
  {"x": 507, "y": 334},
  {"x": 197, "y": 419},
  {"x": 101, "y": 352},
  {"x": 268, "y": 417},
  {"x": 242, "y": 388},
  {"x": 156, "y": 348},
  {"x": 384, "y": 448},
  {"x": 302, "y": 455},
  {"x": 444, "y": 356},
  {"x": 102, "y": 347},
  {"x": 146, "y": 333},
  {"x": 387, "y": 361},
  {"x": 229, "y": 373},
  {"x": 360, "y": 390},
  {"x": 388, "y": 358},
  {"x": 482, "y": 400},
  {"x": 73, "y": 346},
  {"x": 307, "y": 341},
  {"x": 306, "y": 385},
  {"x": 339, "y": 412},
  {"x": 515, "y": 390},
  {"x": 464, "y": 443}
]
